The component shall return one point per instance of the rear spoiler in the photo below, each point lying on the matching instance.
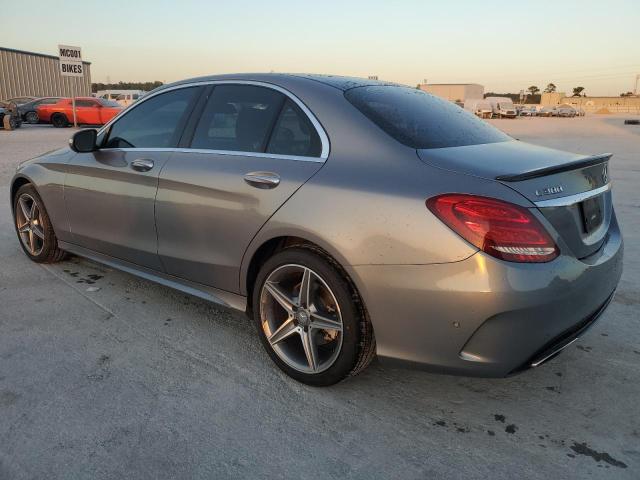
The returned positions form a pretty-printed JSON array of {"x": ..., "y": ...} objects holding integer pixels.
[{"x": 563, "y": 167}]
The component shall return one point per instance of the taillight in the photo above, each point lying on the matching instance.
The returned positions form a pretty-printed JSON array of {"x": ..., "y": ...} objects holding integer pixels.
[{"x": 499, "y": 228}]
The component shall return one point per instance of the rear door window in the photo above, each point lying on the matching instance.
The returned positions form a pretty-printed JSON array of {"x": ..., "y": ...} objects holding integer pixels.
[
  {"x": 154, "y": 123},
  {"x": 294, "y": 134},
  {"x": 420, "y": 120},
  {"x": 238, "y": 118}
]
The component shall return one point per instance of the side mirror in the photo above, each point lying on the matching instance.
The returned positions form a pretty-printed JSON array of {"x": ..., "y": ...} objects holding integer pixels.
[{"x": 84, "y": 141}]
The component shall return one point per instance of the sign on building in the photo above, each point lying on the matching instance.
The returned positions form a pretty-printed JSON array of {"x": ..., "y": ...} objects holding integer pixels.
[{"x": 70, "y": 61}]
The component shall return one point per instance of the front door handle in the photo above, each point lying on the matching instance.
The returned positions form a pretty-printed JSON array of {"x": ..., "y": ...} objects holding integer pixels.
[
  {"x": 142, "y": 165},
  {"x": 262, "y": 179}
]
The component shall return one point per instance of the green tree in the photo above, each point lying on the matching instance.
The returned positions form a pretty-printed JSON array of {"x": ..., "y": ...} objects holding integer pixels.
[
  {"x": 146, "y": 86},
  {"x": 533, "y": 90},
  {"x": 551, "y": 88},
  {"x": 577, "y": 91}
]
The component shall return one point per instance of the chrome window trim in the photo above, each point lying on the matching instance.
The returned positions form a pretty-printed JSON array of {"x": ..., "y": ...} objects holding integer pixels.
[
  {"x": 220, "y": 152},
  {"x": 573, "y": 199},
  {"x": 324, "y": 139}
]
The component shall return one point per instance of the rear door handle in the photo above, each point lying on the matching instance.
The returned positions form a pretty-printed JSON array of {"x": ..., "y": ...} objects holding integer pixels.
[
  {"x": 142, "y": 165},
  {"x": 262, "y": 179}
]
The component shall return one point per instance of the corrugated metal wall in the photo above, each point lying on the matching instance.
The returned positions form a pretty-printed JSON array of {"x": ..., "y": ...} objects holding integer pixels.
[{"x": 34, "y": 74}]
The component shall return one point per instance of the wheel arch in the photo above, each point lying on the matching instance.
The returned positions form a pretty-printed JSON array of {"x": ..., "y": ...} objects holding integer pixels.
[
  {"x": 16, "y": 183},
  {"x": 266, "y": 248}
]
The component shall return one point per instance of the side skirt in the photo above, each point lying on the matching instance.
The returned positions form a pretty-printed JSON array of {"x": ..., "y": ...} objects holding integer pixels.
[{"x": 215, "y": 295}]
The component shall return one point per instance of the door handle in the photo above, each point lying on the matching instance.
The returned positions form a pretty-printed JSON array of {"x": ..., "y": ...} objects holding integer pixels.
[
  {"x": 262, "y": 179},
  {"x": 142, "y": 165}
]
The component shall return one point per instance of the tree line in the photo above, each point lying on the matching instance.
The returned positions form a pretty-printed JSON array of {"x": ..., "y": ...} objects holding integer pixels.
[{"x": 145, "y": 86}]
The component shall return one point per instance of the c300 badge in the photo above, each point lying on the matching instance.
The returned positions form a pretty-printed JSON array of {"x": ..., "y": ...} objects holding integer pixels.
[{"x": 550, "y": 190}]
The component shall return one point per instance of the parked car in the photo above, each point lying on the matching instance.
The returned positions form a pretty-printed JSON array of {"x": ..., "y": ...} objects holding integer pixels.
[
  {"x": 566, "y": 111},
  {"x": 21, "y": 100},
  {"x": 547, "y": 112},
  {"x": 502, "y": 107},
  {"x": 335, "y": 215},
  {"x": 9, "y": 118},
  {"x": 89, "y": 111},
  {"x": 29, "y": 111},
  {"x": 528, "y": 112}
]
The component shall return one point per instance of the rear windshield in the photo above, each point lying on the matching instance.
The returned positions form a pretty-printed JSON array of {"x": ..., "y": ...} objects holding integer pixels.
[{"x": 420, "y": 120}]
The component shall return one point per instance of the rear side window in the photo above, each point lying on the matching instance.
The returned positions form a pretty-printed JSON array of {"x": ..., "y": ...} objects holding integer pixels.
[
  {"x": 294, "y": 134},
  {"x": 238, "y": 118},
  {"x": 154, "y": 123},
  {"x": 420, "y": 120}
]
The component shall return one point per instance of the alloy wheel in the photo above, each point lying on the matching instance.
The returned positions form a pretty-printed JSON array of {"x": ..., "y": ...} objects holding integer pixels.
[
  {"x": 301, "y": 318},
  {"x": 29, "y": 224}
]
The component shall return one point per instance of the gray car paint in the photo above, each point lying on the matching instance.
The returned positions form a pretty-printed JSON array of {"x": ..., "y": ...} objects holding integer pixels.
[{"x": 429, "y": 294}]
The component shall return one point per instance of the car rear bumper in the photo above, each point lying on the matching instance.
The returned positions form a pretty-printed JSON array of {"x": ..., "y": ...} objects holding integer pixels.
[{"x": 483, "y": 316}]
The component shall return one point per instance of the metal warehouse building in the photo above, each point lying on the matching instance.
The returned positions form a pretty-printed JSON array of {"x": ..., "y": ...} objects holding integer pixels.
[
  {"x": 36, "y": 74},
  {"x": 455, "y": 92}
]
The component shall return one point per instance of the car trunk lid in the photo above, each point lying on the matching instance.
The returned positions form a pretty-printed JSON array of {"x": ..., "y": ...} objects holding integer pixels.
[{"x": 571, "y": 190}]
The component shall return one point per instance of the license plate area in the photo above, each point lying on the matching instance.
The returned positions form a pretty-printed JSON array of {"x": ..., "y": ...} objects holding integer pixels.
[{"x": 591, "y": 214}]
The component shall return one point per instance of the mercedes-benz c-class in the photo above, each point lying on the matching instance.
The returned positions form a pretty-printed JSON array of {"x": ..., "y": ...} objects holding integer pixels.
[{"x": 348, "y": 218}]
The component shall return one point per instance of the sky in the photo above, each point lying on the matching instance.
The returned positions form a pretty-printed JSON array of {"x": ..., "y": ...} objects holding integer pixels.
[{"x": 504, "y": 45}]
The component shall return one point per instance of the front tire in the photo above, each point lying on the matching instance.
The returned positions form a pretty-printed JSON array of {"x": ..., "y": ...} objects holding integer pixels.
[
  {"x": 310, "y": 319},
  {"x": 34, "y": 228}
]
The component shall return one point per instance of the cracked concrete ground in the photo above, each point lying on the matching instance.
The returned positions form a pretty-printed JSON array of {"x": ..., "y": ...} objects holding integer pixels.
[{"x": 104, "y": 375}]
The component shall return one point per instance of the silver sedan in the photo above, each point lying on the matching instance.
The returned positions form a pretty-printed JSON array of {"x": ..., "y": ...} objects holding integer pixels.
[{"x": 348, "y": 218}]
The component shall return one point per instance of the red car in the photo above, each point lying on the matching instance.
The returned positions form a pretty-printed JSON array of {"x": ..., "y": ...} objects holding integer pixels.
[{"x": 89, "y": 111}]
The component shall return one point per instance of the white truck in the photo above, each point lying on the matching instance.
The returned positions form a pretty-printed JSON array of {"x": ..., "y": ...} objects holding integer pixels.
[
  {"x": 479, "y": 106},
  {"x": 502, "y": 107},
  {"x": 123, "y": 97}
]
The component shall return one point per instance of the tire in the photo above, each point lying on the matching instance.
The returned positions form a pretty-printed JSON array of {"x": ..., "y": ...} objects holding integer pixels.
[
  {"x": 59, "y": 120},
  {"x": 31, "y": 117},
  {"x": 44, "y": 248},
  {"x": 338, "y": 354}
]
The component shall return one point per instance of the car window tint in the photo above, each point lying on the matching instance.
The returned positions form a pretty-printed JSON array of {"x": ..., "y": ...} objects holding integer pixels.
[
  {"x": 237, "y": 118},
  {"x": 152, "y": 123},
  {"x": 420, "y": 120},
  {"x": 294, "y": 134}
]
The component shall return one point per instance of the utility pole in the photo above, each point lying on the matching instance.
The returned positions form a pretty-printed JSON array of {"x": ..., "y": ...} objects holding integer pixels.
[{"x": 635, "y": 88}]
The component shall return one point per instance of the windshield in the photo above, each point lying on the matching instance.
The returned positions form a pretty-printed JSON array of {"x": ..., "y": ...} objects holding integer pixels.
[
  {"x": 420, "y": 120},
  {"x": 505, "y": 105},
  {"x": 108, "y": 103}
]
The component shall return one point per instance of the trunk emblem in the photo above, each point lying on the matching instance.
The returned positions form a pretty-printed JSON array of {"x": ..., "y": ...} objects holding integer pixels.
[
  {"x": 605, "y": 174},
  {"x": 550, "y": 190}
]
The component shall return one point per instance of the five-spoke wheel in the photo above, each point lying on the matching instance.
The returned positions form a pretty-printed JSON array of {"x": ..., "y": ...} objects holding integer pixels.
[
  {"x": 309, "y": 317},
  {"x": 29, "y": 224},
  {"x": 301, "y": 318},
  {"x": 34, "y": 228}
]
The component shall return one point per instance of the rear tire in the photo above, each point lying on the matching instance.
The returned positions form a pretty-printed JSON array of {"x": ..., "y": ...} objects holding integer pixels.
[
  {"x": 59, "y": 120},
  {"x": 33, "y": 227},
  {"x": 332, "y": 319}
]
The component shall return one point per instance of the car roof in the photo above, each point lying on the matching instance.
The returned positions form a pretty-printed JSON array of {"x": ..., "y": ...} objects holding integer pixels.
[{"x": 340, "y": 82}]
